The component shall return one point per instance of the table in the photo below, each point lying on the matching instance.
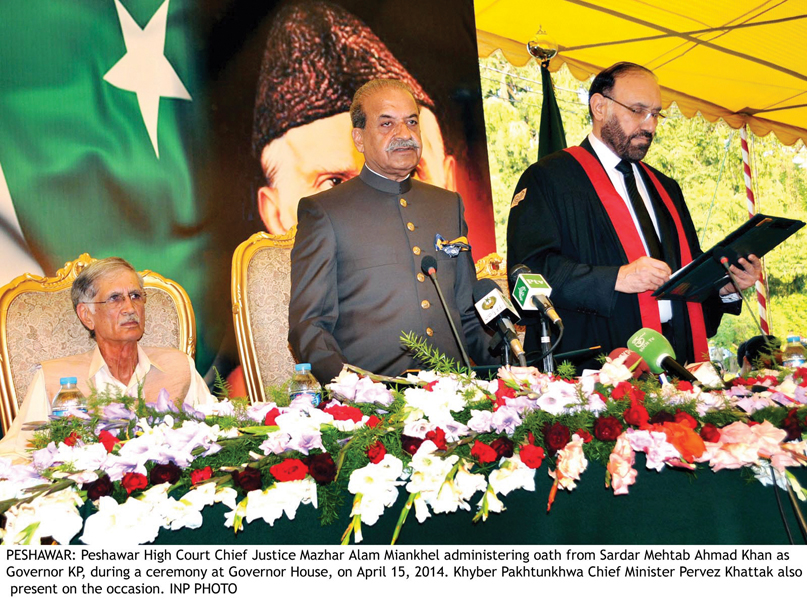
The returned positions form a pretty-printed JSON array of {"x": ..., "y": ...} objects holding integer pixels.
[{"x": 673, "y": 507}]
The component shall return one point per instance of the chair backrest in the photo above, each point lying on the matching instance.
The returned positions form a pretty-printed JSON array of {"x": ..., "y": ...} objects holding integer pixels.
[
  {"x": 38, "y": 323},
  {"x": 493, "y": 267},
  {"x": 261, "y": 288}
]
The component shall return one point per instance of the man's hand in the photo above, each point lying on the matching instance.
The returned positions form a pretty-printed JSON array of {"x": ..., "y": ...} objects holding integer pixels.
[
  {"x": 746, "y": 277},
  {"x": 644, "y": 274}
]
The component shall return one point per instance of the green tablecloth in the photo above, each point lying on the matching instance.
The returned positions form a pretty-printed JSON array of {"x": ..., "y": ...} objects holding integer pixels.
[{"x": 671, "y": 507}]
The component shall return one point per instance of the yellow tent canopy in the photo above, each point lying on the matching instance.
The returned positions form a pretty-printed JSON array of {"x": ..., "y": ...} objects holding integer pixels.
[{"x": 738, "y": 60}]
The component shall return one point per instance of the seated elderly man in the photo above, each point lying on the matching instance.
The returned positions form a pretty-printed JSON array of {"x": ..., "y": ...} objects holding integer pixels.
[{"x": 109, "y": 299}]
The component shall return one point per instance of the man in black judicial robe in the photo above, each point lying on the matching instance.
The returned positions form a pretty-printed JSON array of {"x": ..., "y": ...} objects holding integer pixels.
[
  {"x": 356, "y": 281},
  {"x": 559, "y": 227}
]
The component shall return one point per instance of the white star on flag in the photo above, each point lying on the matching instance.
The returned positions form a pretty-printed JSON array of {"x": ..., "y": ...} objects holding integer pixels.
[{"x": 144, "y": 69}]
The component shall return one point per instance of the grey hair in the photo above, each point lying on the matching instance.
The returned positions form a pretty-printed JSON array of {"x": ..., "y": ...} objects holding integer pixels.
[
  {"x": 85, "y": 286},
  {"x": 357, "y": 114}
]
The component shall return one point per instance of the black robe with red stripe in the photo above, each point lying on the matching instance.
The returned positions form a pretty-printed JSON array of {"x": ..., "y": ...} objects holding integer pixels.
[{"x": 560, "y": 229}]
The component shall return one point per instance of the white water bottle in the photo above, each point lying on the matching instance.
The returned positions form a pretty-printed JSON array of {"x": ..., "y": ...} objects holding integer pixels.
[
  {"x": 303, "y": 382},
  {"x": 69, "y": 397},
  {"x": 793, "y": 354}
]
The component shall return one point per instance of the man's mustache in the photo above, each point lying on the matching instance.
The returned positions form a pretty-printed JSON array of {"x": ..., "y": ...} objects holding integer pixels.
[
  {"x": 131, "y": 319},
  {"x": 400, "y": 144},
  {"x": 643, "y": 134}
]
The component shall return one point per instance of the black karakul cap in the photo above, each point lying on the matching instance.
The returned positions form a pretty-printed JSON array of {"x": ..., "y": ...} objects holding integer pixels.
[{"x": 317, "y": 55}]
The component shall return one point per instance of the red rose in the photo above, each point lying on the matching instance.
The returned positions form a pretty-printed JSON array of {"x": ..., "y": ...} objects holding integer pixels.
[
  {"x": 200, "y": 475},
  {"x": 249, "y": 479},
  {"x": 621, "y": 391},
  {"x": 270, "y": 417},
  {"x": 321, "y": 468},
  {"x": 410, "y": 444},
  {"x": 108, "y": 440},
  {"x": 607, "y": 429},
  {"x": 662, "y": 417},
  {"x": 503, "y": 447},
  {"x": 291, "y": 469},
  {"x": 438, "y": 436},
  {"x": 583, "y": 435},
  {"x": 483, "y": 453},
  {"x": 710, "y": 433},
  {"x": 71, "y": 439},
  {"x": 373, "y": 421},
  {"x": 344, "y": 413},
  {"x": 168, "y": 473},
  {"x": 684, "y": 386},
  {"x": 133, "y": 482},
  {"x": 686, "y": 419},
  {"x": 503, "y": 392},
  {"x": 792, "y": 426},
  {"x": 100, "y": 487},
  {"x": 636, "y": 415},
  {"x": 800, "y": 375},
  {"x": 376, "y": 452},
  {"x": 556, "y": 436},
  {"x": 531, "y": 455}
]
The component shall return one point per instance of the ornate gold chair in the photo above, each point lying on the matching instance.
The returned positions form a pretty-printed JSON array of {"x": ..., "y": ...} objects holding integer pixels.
[
  {"x": 261, "y": 287},
  {"x": 38, "y": 323},
  {"x": 494, "y": 267}
]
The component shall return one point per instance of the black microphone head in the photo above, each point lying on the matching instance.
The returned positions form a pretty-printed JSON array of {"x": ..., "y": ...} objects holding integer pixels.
[
  {"x": 516, "y": 271},
  {"x": 483, "y": 287},
  {"x": 427, "y": 263}
]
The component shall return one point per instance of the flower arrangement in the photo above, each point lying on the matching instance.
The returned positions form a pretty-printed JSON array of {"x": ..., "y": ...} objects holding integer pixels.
[{"x": 449, "y": 440}]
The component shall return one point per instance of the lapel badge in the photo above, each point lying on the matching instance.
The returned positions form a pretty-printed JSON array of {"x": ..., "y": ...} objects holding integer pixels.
[{"x": 452, "y": 248}]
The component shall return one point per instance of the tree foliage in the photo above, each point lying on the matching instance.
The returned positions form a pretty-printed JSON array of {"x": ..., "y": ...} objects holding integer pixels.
[{"x": 705, "y": 158}]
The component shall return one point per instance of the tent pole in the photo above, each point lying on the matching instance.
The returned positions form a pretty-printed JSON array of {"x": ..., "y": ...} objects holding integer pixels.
[{"x": 761, "y": 284}]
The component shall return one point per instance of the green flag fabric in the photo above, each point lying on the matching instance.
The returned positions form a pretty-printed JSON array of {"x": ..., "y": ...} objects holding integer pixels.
[
  {"x": 101, "y": 130},
  {"x": 551, "y": 137}
]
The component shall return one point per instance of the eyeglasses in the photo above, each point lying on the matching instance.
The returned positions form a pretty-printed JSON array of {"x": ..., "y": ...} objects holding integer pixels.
[
  {"x": 642, "y": 115},
  {"x": 117, "y": 300}
]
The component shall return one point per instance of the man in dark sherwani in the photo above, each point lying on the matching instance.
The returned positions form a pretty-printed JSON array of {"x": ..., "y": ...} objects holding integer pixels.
[
  {"x": 606, "y": 230},
  {"x": 356, "y": 280}
]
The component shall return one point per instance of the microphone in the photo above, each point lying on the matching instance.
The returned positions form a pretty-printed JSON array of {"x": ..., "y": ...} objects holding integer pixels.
[
  {"x": 494, "y": 307},
  {"x": 531, "y": 292},
  {"x": 428, "y": 264},
  {"x": 657, "y": 351},
  {"x": 631, "y": 360}
]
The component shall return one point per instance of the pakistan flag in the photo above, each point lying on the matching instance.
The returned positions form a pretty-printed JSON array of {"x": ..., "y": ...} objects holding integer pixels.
[{"x": 102, "y": 134}]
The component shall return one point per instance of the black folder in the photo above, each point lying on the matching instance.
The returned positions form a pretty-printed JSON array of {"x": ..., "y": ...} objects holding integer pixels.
[{"x": 758, "y": 236}]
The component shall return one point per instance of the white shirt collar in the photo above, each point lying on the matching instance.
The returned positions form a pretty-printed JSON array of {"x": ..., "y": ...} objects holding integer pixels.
[
  {"x": 144, "y": 364},
  {"x": 608, "y": 157}
]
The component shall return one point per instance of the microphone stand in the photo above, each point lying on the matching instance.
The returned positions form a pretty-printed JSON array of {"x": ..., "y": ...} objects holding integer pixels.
[
  {"x": 546, "y": 347},
  {"x": 457, "y": 337},
  {"x": 498, "y": 342}
]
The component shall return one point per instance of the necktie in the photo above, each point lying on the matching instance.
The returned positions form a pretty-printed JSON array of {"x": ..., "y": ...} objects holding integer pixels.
[{"x": 645, "y": 222}]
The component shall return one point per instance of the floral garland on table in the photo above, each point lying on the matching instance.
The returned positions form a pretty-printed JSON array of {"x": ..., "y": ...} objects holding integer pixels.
[{"x": 449, "y": 441}]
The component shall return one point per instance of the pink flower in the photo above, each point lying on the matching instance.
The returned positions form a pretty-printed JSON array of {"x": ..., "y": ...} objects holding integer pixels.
[
  {"x": 655, "y": 446},
  {"x": 620, "y": 466},
  {"x": 571, "y": 463}
]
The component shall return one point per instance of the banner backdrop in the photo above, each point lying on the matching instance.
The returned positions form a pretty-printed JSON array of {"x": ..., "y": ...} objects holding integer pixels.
[{"x": 129, "y": 127}]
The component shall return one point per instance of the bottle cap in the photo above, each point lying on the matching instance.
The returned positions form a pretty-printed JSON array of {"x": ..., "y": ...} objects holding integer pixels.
[
  {"x": 302, "y": 367},
  {"x": 68, "y": 380},
  {"x": 793, "y": 338}
]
